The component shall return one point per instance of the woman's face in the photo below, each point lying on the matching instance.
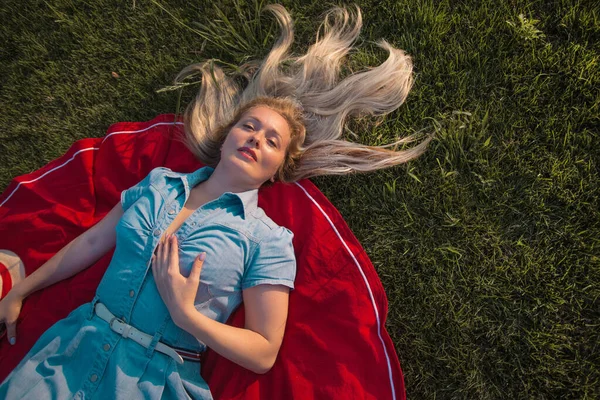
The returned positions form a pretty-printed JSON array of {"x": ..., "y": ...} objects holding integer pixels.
[{"x": 257, "y": 145}]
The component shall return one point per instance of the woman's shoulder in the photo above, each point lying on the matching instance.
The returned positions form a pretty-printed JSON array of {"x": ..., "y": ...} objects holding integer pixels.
[
  {"x": 267, "y": 229},
  {"x": 163, "y": 177},
  {"x": 158, "y": 174}
]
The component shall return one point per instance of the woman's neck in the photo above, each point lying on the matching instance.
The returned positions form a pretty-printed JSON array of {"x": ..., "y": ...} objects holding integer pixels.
[{"x": 220, "y": 182}]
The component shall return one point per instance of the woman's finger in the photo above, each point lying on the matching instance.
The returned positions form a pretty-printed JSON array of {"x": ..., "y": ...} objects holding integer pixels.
[
  {"x": 11, "y": 332},
  {"x": 158, "y": 274},
  {"x": 153, "y": 263},
  {"x": 197, "y": 267},
  {"x": 159, "y": 251},
  {"x": 166, "y": 250},
  {"x": 173, "y": 253}
]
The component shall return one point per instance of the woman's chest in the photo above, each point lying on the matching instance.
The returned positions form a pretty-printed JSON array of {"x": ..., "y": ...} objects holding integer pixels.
[
  {"x": 218, "y": 230},
  {"x": 195, "y": 201}
]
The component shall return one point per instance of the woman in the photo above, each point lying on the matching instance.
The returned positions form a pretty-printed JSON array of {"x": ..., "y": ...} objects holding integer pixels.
[{"x": 190, "y": 247}]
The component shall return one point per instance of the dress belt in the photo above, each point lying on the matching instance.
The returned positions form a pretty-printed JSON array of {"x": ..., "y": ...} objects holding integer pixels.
[{"x": 129, "y": 332}]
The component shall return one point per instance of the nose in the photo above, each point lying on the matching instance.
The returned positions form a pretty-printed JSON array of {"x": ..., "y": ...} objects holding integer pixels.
[{"x": 254, "y": 141}]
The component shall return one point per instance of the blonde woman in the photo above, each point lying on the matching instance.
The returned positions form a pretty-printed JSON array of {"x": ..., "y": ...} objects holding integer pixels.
[{"x": 191, "y": 247}]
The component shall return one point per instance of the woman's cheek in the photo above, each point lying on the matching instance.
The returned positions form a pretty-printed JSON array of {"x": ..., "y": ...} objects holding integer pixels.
[{"x": 278, "y": 162}]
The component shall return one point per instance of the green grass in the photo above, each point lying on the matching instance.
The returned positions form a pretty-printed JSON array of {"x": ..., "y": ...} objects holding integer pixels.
[{"x": 487, "y": 245}]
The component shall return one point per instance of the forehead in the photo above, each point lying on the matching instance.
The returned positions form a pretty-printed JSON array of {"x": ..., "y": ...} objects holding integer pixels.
[{"x": 268, "y": 117}]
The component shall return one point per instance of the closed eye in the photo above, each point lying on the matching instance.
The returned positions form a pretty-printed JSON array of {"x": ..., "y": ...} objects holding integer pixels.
[
  {"x": 272, "y": 143},
  {"x": 248, "y": 126}
]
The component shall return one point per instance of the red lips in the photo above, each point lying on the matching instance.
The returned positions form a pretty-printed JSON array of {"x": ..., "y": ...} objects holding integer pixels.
[{"x": 249, "y": 151}]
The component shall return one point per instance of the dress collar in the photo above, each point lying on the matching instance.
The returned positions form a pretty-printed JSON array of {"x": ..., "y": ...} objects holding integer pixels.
[{"x": 248, "y": 199}]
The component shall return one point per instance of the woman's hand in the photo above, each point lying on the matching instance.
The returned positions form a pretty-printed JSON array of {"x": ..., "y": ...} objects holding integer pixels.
[
  {"x": 177, "y": 291},
  {"x": 10, "y": 308}
]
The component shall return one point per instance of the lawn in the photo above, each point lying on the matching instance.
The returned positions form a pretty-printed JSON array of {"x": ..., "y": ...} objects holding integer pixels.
[{"x": 487, "y": 245}]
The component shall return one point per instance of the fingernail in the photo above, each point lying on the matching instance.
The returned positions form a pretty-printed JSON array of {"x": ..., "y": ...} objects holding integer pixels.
[
  {"x": 202, "y": 256},
  {"x": 12, "y": 340}
]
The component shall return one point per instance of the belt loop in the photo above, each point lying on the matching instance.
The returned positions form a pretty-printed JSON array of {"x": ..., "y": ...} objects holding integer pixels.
[
  {"x": 153, "y": 343},
  {"x": 93, "y": 306},
  {"x": 156, "y": 338}
]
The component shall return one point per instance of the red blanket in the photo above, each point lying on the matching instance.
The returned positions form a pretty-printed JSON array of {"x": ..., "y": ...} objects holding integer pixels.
[{"x": 335, "y": 345}]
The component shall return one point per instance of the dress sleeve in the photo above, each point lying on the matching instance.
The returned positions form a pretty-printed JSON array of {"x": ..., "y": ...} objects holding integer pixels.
[
  {"x": 131, "y": 195},
  {"x": 274, "y": 262}
]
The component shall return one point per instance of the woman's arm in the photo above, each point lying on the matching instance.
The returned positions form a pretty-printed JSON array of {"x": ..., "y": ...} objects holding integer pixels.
[
  {"x": 76, "y": 256},
  {"x": 79, "y": 254},
  {"x": 255, "y": 346}
]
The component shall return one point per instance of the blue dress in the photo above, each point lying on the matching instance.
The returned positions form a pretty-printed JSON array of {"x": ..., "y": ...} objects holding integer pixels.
[{"x": 80, "y": 357}]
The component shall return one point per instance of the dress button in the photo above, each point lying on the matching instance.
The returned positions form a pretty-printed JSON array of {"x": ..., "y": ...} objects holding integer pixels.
[
  {"x": 156, "y": 232},
  {"x": 131, "y": 293},
  {"x": 94, "y": 378},
  {"x": 106, "y": 347},
  {"x": 193, "y": 223},
  {"x": 171, "y": 212}
]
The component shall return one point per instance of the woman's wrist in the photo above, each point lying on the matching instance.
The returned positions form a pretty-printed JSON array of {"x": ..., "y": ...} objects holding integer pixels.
[
  {"x": 183, "y": 316},
  {"x": 18, "y": 291}
]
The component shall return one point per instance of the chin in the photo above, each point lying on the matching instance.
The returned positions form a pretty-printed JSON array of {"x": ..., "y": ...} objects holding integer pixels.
[{"x": 242, "y": 170}]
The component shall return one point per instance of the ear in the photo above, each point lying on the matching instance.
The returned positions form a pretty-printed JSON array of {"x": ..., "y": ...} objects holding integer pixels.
[{"x": 272, "y": 179}]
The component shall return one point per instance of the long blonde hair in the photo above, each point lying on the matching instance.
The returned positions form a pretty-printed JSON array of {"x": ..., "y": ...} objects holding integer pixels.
[{"x": 311, "y": 82}]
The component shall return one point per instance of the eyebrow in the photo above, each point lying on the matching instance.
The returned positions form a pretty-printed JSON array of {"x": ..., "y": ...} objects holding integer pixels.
[{"x": 270, "y": 130}]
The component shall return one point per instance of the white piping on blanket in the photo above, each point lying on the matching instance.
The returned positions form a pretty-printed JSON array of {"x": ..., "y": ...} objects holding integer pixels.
[
  {"x": 387, "y": 357},
  {"x": 142, "y": 130},
  {"x": 90, "y": 148},
  {"x": 47, "y": 172},
  {"x": 305, "y": 192}
]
